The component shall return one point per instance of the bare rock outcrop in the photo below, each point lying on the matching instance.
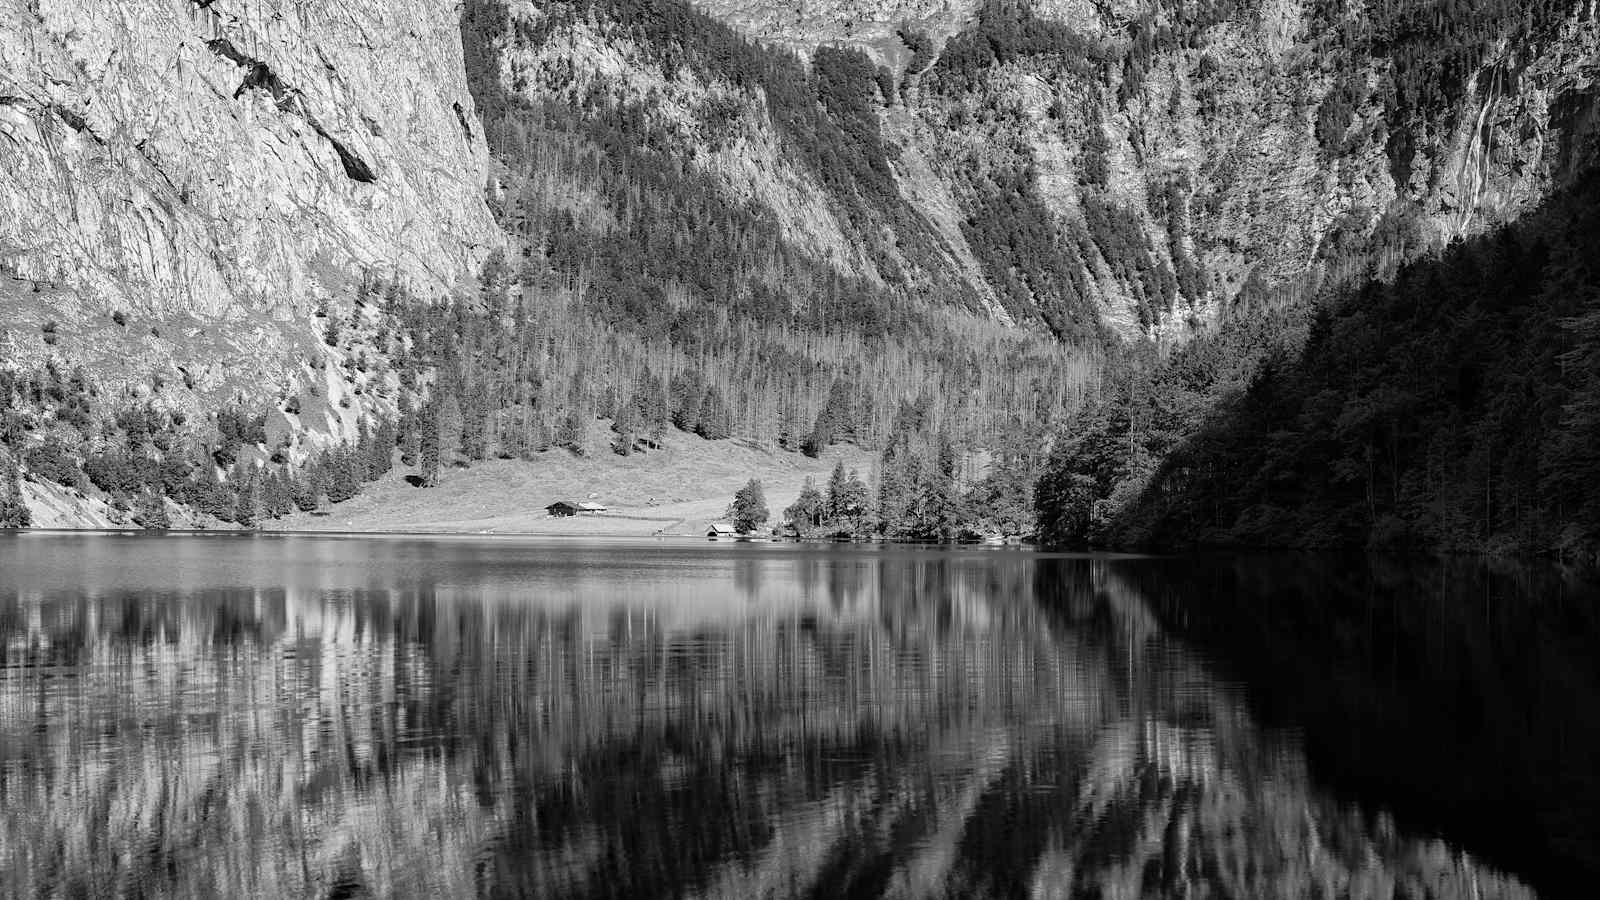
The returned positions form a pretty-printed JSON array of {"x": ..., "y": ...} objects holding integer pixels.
[{"x": 219, "y": 167}]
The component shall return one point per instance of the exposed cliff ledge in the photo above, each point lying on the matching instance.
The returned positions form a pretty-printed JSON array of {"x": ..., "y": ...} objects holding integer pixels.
[
  {"x": 140, "y": 172},
  {"x": 259, "y": 76}
]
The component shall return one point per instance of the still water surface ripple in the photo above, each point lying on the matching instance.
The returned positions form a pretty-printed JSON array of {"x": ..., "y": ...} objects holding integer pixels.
[{"x": 340, "y": 717}]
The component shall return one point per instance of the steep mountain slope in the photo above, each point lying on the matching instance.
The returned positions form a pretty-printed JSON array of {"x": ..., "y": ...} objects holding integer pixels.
[
  {"x": 1166, "y": 157},
  {"x": 244, "y": 236},
  {"x": 211, "y": 171},
  {"x": 188, "y": 190},
  {"x": 1452, "y": 409},
  {"x": 1441, "y": 404}
]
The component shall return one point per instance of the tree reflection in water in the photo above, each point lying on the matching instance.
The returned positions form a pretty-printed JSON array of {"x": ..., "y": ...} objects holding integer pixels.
[{"x": 407, "y": 718}]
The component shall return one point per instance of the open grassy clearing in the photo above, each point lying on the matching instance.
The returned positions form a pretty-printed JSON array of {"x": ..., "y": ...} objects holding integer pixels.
[{"x": 676, "y": 490}]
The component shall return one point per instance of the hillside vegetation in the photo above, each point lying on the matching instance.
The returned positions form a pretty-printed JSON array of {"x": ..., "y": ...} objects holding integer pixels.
[
  {"x": 1452, "y": 409},
  {"x": 1011, "y": 226}
]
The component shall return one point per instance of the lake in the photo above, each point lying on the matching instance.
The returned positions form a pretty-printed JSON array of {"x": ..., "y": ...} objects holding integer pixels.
[{"x": 199, "y": 716}]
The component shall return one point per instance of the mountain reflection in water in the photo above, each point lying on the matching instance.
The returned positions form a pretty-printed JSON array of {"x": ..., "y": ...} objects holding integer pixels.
[{"x": 282, "y": 717}]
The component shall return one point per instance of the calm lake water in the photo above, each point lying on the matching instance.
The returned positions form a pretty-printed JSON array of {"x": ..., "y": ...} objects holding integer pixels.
[{"x": 340, "y": 717}]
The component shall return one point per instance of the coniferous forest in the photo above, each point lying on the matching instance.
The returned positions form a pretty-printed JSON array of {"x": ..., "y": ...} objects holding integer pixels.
[{"x": 1456, "y": 408}]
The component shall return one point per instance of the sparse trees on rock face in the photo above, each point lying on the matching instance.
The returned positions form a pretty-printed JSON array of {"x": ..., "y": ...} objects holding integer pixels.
[{"x": 749, "y": 511}]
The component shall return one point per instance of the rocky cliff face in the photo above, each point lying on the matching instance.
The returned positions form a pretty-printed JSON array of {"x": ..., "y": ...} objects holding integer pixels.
[
  {"x": 1185, "y": 154},
  {"x": 1148, "y": 164},
  {"x": 212, "y": 171},
  {"x": 224, "y": 166}
]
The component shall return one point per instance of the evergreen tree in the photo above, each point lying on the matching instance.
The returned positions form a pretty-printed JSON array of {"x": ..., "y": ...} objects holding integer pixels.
[
  {"x": 476, "y": 424},
  {"x": 213, "y": 496},
  {"x": 303, "y": 490},
  {"x": 151, "y": 511},
  {"x": 626, "y": 425},
  {"x": 277, "y": 496},
  {"x": 428, "y": 451},
  {"x": 894, "y": 493},
  {"x": 654, "y": 408},
  {"x": 247, "y": 505},
  {"x": 449, "y": 423},
  {"x": 607, "y": 406},
  {"x": 789, "y": 437},
  {"x": 411, "y": 429},
  {"x": 837, "y": 417},
  {"x": 574, "y": 434},
  {"x": 853, "y": 503},
  {"x": 808, "y": 510},
  {"x": 380, "y": 455},
  {"x": 749, "y": 510},
  {"x": 836, "y": 490},
  {"x": 339, "y": 467},
  {"x": 688, "y": 399},
  {"x": 14, "y": 512},
  {"x": 361, "y": 454},
  {"x": 716, "y": 420}
]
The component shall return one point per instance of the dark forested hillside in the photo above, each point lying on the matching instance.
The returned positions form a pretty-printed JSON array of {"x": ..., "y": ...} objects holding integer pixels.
[{"x": 1455, "y": 408}]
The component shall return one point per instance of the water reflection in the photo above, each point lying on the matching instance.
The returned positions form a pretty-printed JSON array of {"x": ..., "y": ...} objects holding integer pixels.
[{"x": 336, "y": 717}]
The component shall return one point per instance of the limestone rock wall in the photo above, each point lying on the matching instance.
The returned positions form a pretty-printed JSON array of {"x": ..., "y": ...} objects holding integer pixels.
[
  {"x": 221, "y": 167},
  {"x": 1273, "y": 190}
]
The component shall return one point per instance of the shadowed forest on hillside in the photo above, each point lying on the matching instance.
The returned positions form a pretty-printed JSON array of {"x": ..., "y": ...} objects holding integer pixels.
[{"x": 1453, "y": 409}]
